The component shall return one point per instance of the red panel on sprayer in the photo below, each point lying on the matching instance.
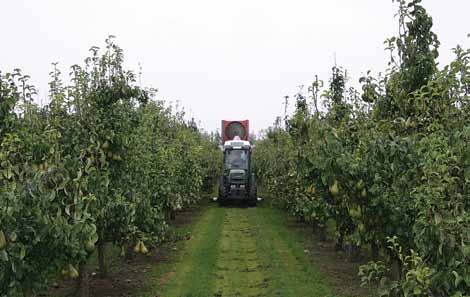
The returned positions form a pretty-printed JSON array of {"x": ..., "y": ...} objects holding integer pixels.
[{"x": 244, "y": 129}]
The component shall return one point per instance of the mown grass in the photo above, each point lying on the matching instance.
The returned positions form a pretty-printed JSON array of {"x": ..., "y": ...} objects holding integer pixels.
[
  {"x": 288, "y": 269},
  {"x": 242, "y": 252},
  {"x": 239, "y": 270},
  {"x": 192, "y": 275}
]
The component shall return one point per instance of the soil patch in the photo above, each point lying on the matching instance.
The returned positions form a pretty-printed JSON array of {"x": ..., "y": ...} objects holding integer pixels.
[
  {"x": 341, "y": 273},
  {"x": 128, "y": 277}
]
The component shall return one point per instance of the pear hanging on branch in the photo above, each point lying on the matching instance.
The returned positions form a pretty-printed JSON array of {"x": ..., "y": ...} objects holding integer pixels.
[
  {"x": 334, "y": 189},
  {"x": 3, "y": 241}
]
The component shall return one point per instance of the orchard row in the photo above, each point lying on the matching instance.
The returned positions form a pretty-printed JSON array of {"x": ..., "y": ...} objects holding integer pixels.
[
  {"x": 389, "y": 167},
  {"x": 102, "y": 163}
]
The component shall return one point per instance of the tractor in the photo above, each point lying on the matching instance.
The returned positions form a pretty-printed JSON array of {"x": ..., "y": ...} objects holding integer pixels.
[{"x": 237, "y": 182}]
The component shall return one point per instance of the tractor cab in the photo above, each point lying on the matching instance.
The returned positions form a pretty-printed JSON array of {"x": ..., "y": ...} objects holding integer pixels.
[
  {"x": 237, "y": 159},
  {"x": 237, "y": 181}
]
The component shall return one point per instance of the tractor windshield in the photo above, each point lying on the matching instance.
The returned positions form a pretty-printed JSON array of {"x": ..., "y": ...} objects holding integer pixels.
[{"x": 236, "y": 159}]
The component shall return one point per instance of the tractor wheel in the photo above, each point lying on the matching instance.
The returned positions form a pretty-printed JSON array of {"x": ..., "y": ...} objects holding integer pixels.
[
  {"x": 223, "y": 201},
  {"x": 252, "y": 202},
  {"x": 222, "y": 195},
  {"x": 253, "y": 194}
]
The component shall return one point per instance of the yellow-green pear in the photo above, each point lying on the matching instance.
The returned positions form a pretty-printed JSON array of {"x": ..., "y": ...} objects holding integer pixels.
[
  {"x": 143, "y": 249},
  {"x": 3, "y": 241},
  {"x": 334, "y": 190},
  {"x": 73, "y": 273}
]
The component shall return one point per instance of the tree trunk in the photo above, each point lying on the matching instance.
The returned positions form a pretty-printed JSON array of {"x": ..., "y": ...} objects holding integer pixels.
[
  {"x": 322, "y": 232},
  {"x": 397, "y": 269},
  {"x": 353, "y": 252},
  {"x": 28, "y": 292},
  {"x": 129, "y": 253},
  {"x": 339, "y": 246},
  {"x": 84, "y": 281},
  {"x": 167, "y": 212},
  {"x": 375, "y": 251},
  {"x": 102, "y": 259}
]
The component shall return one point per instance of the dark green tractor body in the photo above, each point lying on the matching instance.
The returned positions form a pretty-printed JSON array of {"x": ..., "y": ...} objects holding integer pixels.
[{"x": 237, "y": 182}]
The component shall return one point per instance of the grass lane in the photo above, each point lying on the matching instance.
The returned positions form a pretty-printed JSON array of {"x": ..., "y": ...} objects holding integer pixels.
[
  {"x": 239, "y": 271},
  {"x": 288, "y": 269},
  {"x": 194, "y": 274},
  {"x": 244, "y": 252}
]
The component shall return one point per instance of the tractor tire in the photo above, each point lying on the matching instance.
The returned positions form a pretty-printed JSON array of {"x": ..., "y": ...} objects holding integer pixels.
[
  {"x": 253, "y": 193},
  {"x": 222, "y": 202},
  {"x": 222, "y": 198},
  {"x": 252, "y": 202}
]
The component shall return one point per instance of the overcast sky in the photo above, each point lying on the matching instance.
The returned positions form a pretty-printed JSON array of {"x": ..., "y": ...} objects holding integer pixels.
[{"x": 220, "y": 59}]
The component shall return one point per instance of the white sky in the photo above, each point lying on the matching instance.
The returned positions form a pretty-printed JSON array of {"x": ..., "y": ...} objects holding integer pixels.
[{"x": 220, "y": 59}]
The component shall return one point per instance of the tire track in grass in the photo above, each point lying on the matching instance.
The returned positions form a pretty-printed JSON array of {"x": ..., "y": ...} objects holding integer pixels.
[
  {"x": 194, "y": 272},
  {"x": 245, "y": 252},
  {"x": 289, "y": 271},
  {"x": 239, "y": 270}
]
